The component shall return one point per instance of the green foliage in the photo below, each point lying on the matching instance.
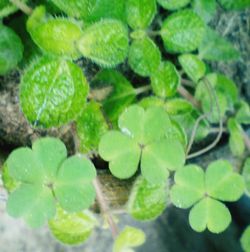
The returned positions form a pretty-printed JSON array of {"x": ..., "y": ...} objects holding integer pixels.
[
  {"x": 216, "y": 48},
  {"x": 182, "y": 31},
  {"x": 72, "y": 228},
  {"x": 243, "y": 113},
  {"x": 225, "y": 90},
  {"x": 147, "y": 201},
  {"x": 235, "y": 5},
  {"x": 236, "y": 139},
  {"x": 173, "y": 4},
  {"x": 144, "y": 57},
  {"x": 204, "y": 191},
  {"x": 129, "y": 238},
  {"x": 9, "y": 183},
  {"x": 118, "y": 92},
  {"x": 205, "y": 9},
  {"x": 46, "y": 176},
  {"x": 165, "y": 80},
  {"x": 144, "y": 138},
  {"x": 7, "y": 8},
  {"x": 193, "y": 66},
  {"x": 105, "y": 42},
  {"x": 91, "y": 125},
  {"x": 11, "y": 49},
  {"x": 52, "y": 92},
  {"x": 55, "y": 36},
  {"x": 245, "y": 239},
  {"x": 140, "y": 13},
  {"x": 246, "y": 175}
]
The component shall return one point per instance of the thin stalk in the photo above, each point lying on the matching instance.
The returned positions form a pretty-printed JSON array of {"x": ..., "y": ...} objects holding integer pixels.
[
  {"x": 22, "y": 6},
  {"x": 105, "y": 208},
  {"x": 183, "y": 92},
  {"x": 143, "y": 89},
  {"x": 153, "y": 33},
  {"x": 215, "y": 142},
  {"x": 187, "y": 83}
]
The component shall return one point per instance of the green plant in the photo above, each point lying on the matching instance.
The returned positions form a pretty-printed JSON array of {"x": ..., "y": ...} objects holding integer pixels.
[{"x": 152, "y": 127}]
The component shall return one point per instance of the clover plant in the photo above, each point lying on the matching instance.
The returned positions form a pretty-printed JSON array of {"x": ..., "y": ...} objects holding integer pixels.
[{"x": 146, "y": 94}]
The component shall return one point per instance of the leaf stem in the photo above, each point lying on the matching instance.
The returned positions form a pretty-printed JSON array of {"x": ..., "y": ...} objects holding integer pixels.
[
  {"x": 142, "y": 89},
  {"x": 153, "y": 33},
  {"x": 22, "y": 6},
  {"x": 213, "y": 96},
  {"x": 105, "y": 208},
  {"x": 183, "y": 92},
  {"x": 187, "y": 83}
]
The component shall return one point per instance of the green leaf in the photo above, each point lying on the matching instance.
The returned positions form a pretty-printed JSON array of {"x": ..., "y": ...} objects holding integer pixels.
[
  {"x": 52, "y": 92},
  {"x": 76, "y": 8},
  {"x": 214, "y": 47},
  {"x": 91, "y": 125},
  {"x": 205, "y": 9},
  {"x": 151, "y": 101},
  {"x": 7, "y": 8},
  {"x": 243, "y": 113},
  {"x": 73, "y": 187},
  {"x": 34, "y": 203},
  {"x": 144, "y": 56},
  {"x": 225, "y": 90},
  {"x": 165, "y": 80},
  {"x": 246, "y": 175},
  {"x": 245, "y": 239},
  {"x": 9, "y": 183},
  {"x": 236, "y": 139},
  {"x": 49, "y": 153},
  {"x": 56, "y": 36},
  {"x": 189, "y": 186},
  {"x": 120, "y": 92},
  {"x": 173, "y": 4},
  {"x": 193, "y": 66},
  {"x": 235, "y": 5},
  {"x": 105, "y": 42},
  {"x": 11, "y": 49},
  {"x": 211, "y": 214},
  {"x": 107, "y": 9},
  {"x": 23, "y": 166},
  {"x": 222, "y": 182},
  {"x": 151, "y": 125},
  {"x": 182, "y": 31},
  {"x": 72, "y": 228},
  {"x": 140, "y": 13},
  {"x": 122, "y": 151},
  {"x": 129, "y": 238},
  {"x": 161, "y": 157},
  {"x": 147, "y": 201}
]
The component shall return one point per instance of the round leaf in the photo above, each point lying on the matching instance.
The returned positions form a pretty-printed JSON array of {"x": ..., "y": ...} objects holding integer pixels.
[
  {"x": 122, "y": 151},
  {"x": 91, "y": 125},
  {"x": 165, "y": 80},
  {"x": 57, "y": 36},
  {"x": 205, "y": 9},
  {"x": 147, "y": 201},
  {"x": 73, "y": 187},
  {"x": 173, "y": 4},
  {"x": 140, "y": 13},
  {"x": 245, "y": 239},
  {"x": 34, "y": 203},
  {"x": 105, "y": 42},
  {"x": 222, "y": 183},
  {"x": 182, "y": 31},
  {"x": 189, "y": 186},
  {"x": 243, "y": 113},
  {"x": 246, "y": 175},
  {"x": 209, "y": 213},
  {"x": 130, "y": 237},
  {"x": 193, "y": 66},
  {"x": 72, "y": 228},
  {"x": 161, "y": 157},
  {"x": 144, "y": 56},
  {"x": 52, "y": 92},
  {"x": 11, "y": 49}
]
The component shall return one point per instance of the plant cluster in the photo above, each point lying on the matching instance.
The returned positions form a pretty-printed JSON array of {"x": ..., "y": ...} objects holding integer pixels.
[{"x": 150, "y": 128}]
